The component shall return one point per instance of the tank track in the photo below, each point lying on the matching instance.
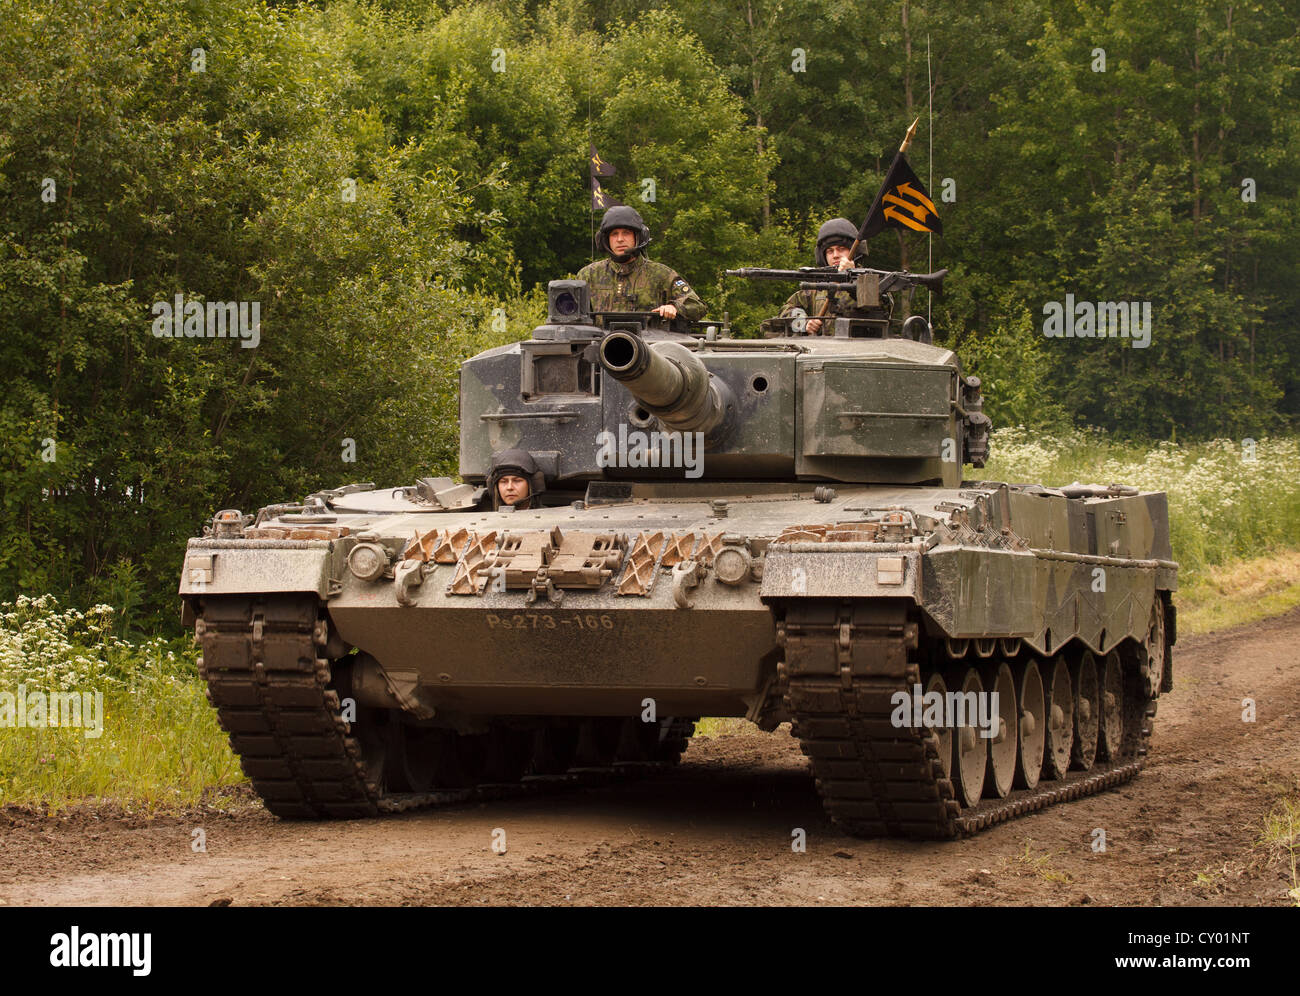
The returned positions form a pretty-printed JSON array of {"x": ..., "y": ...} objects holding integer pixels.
[
  {"x": 273, "y": 696},
  {"x": 843, "y": 664}
]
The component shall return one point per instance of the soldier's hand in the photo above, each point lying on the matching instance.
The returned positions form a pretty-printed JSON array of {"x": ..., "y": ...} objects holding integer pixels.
[
  {"x": 846, "y": 264},
  {"x": 814, "y": 326},
  {"x": 667, "y": 310}
]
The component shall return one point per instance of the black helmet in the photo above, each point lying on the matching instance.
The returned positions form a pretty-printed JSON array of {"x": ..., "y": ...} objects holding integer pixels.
[
  {"x": 836, "y": 232},
  {"x": 517, "y": 463},
  {"x": 622, "y": 216}
]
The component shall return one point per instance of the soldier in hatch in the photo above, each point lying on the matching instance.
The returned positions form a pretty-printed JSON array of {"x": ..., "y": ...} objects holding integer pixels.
[
  {"x": 515, "y": 480},
  {"x": 834, "y": 241},
  {"x": 627, "y": 281}
]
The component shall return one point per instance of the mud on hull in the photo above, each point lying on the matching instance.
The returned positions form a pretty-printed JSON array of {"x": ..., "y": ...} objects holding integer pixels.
[{"x": 484, "y": 656}]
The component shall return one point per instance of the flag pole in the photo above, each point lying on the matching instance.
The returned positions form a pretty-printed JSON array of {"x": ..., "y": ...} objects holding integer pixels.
[
  {"x": 929, "y": 102},
  {"x": 902, "y": 239},
  {"x": 591, "y": 203},
  {"x": 853, "y": 250},
  {"x": 907, "y": 141}
]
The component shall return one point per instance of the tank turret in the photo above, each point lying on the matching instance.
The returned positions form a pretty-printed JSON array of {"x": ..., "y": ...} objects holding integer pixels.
[{"x": 872, "y": 399}]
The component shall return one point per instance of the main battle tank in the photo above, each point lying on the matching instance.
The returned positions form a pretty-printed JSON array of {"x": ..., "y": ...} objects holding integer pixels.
[{"x": 777, "y": 529}]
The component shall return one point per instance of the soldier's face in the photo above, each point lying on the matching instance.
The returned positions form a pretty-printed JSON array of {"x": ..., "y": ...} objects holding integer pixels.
[
  {"x": 621, "y": 241},
  {"x": 836, "y": 255},
  {"x": 512, "y": 489}
]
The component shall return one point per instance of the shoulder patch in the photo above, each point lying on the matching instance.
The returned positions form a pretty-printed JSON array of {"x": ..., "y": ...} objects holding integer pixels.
[{"x": 682, "y": 284}]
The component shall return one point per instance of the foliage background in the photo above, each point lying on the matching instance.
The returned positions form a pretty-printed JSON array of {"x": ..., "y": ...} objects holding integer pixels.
[{"x": 226, "y": 185}]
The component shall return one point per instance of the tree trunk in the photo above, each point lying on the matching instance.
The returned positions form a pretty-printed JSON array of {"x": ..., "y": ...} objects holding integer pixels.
[
  {"x": 756, "y": 82},
  {"x": 907, "y": 63},
  {"x": 1196, "y": 135}
]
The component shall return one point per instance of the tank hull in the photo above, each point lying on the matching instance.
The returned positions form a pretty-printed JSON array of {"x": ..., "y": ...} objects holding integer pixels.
[{"x": 458, "y": 637}]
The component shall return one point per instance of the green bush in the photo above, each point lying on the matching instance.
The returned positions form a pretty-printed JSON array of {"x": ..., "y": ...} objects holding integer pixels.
[{"x": 157, "y": 743}]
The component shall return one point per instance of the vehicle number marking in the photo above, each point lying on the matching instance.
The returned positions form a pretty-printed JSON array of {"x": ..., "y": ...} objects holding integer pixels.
[{"x": 549, "y": 620}]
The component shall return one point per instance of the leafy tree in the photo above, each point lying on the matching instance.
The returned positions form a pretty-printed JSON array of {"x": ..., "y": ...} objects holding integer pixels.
[
  {"x": 220, "y": 185},
  {"x": 1142, "y": 202},
  {"x": 394, "y": 183}
]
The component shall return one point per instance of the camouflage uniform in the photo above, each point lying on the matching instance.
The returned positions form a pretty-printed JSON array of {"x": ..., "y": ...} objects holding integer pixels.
[
  {"x": 639, "y": 285},
  {"x": 844, "y": 304},
  {"x": 837, "y": 231}
]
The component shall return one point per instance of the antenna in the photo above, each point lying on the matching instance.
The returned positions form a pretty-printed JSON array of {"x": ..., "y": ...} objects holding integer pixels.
[{"x": 590, "y": 204}]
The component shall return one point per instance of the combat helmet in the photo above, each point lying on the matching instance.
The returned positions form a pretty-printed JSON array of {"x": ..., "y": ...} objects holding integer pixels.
[
  {"x": 837, "y": 231},
  {"x": 622, "y": 216},
  {"x": 519, "y": 463}
]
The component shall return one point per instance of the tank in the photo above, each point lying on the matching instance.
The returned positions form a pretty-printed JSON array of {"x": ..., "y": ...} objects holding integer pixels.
[{"x": 786, "y": 529}]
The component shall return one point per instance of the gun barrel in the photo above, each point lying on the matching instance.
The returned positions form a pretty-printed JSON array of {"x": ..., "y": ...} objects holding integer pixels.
[
  {"x": 826, "y": 285},
  {"x": 888, "y": 278},
  {"x": 668, "y": 379},
  {"x": 764, "y": 273}
]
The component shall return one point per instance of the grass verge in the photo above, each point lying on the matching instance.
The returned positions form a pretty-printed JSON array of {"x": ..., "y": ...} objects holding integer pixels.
[
  {"x": 157, "y": 752},
  {"x": 1240, "y": 592},
  {"x": 145, "y": 736},
  {"x": 1281, "y": 838}
]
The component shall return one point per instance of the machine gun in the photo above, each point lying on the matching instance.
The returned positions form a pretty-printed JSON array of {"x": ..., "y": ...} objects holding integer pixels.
[
  {"x": 870, "y": 289},
  {"x": 829, "y": 278}
]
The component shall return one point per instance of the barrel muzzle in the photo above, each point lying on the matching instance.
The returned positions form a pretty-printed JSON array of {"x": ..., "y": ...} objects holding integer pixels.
[
  {"x": 624, "y": 355},
  {"x": 669, "y": 381}
]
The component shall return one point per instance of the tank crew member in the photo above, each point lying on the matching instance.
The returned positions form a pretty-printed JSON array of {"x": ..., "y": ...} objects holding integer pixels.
[
  {"x": 834, "y": 240},
  {"x": 514, "y": 479},
  {"x": 627, "y": 281}
]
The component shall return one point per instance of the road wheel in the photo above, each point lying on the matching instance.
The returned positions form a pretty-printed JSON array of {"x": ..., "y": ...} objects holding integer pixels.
[
  {"x": 971, "y": 753},
  {"x": 1083, "y": 678},
  {"x": 1002, "y": 745},
  {"x": 1060, "y": 718},
  {"x": 943, "y": 734},
  {"x": 1111, "y": 729},
  {"x": 1033, "y": 726}
]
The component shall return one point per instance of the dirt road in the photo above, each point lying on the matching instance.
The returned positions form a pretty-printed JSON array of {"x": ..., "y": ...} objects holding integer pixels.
[{"x": 719, "y": 829}]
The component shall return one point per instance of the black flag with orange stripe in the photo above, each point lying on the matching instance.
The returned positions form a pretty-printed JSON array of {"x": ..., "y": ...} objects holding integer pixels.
[
  {"x": 903, "y": 202},
  {"x": 597, "y": 165},
  {"x": 600, "y": 200}
]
